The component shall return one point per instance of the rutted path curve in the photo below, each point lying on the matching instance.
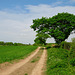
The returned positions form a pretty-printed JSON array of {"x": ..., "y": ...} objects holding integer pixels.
[
  {"x": 27, "y": 66},
  {"x": 38, "y": 68}
]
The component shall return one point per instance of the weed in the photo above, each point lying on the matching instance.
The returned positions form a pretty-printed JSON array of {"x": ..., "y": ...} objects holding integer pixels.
[
  {"x": 26, "y": 74},
  {"x": 34, "y": 60}
]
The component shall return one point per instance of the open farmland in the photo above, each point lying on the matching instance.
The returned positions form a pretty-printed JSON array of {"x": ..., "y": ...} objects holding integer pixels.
[
  {"x": 31, "y": 65},
  {"x": 9, "y": 53}
]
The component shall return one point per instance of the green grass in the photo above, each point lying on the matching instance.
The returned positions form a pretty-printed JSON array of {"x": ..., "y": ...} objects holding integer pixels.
[
  {"x": 9, "y": 53},
  {"x": 58, "y": 62},
  {"x": 26, "y": 74},
  {"x": 34, "y": 60}
]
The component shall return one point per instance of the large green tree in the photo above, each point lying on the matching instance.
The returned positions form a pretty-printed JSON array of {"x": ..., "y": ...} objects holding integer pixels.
[{"x": 59, "y": 26}]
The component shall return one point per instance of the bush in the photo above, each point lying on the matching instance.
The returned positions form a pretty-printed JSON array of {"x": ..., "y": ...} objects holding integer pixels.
[
  {"x": 55, "y": 46},
  {"x": 62, "y": 44},
  {"x": 65, "y": 45},
  {"x": 1, "y": 43},
  {"x": 15, "y": 44},
  {"x": 12, "y": 44},
  {"x": 47, "y": 47},
  {"x": 73, "y": 43},
  {"x": 72, "y": 49},
  {"x": 58, "y": 62},
  {"x": 59, "y": 65},
  {"x": 9, "y": 43},
  {"x": 72, "y": 62}
]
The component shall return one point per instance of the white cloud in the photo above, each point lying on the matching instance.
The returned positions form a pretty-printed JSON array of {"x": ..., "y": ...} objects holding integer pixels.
[
  {"x": 56, "y": 3},
  {"x": 72, "y": 0},
  {"x": 16, "y": 27},
  {"x": 47, "y": 10}
]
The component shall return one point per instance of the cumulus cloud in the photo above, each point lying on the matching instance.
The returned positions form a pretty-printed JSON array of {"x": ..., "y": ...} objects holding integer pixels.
[
  {"x": 72, "y": 0},
  {"x": 16, "y": 26},
  {"x": 57, "y": 3},
  {"x": 47, "y": 10}
]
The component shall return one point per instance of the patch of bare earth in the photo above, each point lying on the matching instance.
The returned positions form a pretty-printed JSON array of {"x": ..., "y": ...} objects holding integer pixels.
[
  {"x": 40, "y": 67},
  {"x": 6, "y": 65},
  {"x": 44, "y": 69},
  {"x": 27, "y": 68},
  {"x": 7, "y": 68}
]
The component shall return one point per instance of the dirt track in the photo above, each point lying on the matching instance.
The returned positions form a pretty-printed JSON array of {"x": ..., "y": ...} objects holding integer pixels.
[
  {"x": 32, "y": 65},
  {"x": 38, "y": 68}
]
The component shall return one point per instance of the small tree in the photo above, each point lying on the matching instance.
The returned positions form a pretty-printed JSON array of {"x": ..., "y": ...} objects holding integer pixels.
[{"x": 41, "y": 38}]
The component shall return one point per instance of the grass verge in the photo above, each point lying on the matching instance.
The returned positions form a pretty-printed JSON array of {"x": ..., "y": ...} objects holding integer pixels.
[{"x": 58, "y": 62}]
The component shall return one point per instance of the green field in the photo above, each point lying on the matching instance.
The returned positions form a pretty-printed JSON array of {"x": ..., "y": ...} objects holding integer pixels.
[
  {"x": 9, "y": 53},
  {"x": 58, "y": 62}
]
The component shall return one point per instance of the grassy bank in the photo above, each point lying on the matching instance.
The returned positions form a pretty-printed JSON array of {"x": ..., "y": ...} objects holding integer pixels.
[
  {"x": 58, "y": 62},
  {"x": 9, "y": 53}
]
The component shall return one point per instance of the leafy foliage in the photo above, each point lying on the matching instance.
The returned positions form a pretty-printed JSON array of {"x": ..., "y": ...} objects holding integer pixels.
[
  {"x": 72, "y": 62},
  {"x": 59, "y": 26},
  {"x": 2, "y": 43},
  {"x": 66, "y": 45},
  {"x": 72, "y": 52},
  {"x": 11, "y": 44},
  {"x": 58, "y": 62},
  {"x": 41, "y": 38}
]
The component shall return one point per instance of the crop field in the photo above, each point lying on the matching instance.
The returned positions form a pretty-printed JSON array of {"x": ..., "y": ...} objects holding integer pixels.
[
  {"x": 9, "y": 53},
  {"x": 58, "y": 62}
]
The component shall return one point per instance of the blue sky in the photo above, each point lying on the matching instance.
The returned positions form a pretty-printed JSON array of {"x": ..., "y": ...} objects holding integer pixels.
[
  {"x": 13, "y": 3},
  {"x": 20, "y": 4},
  {"x": 16, "y": 17}
]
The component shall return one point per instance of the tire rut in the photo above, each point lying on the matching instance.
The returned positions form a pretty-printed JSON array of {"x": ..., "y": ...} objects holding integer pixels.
[
  {"x": 27, "y": 68},
  {"x": 39, "y": 67}
]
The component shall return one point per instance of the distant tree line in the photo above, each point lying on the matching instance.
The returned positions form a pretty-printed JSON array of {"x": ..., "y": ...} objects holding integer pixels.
[{"x": 12, "y": 44}]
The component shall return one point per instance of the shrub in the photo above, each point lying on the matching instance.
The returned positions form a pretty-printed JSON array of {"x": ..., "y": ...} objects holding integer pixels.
[
  {"x": 15, "y": 44},
  {"x": 62, "y": 44},
  {"x": 72, "y": 62},
  {"x": 73, "y": 43},
  {"x": 55, "y": 46},
  {"x": 1, "y": 43},
  {"x": 47, "y": 47},
  {"x": 72, "y": 49},
  {"x": 60, "y": 64},
  {"x": 65, "y": 45},
  {"x": 9, "y": 43}
]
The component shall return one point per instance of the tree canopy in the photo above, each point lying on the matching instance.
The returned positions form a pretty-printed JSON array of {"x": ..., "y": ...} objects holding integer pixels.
[
  {"x": 41, "y": 38},
  {"x": 59, "y": 26}
]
